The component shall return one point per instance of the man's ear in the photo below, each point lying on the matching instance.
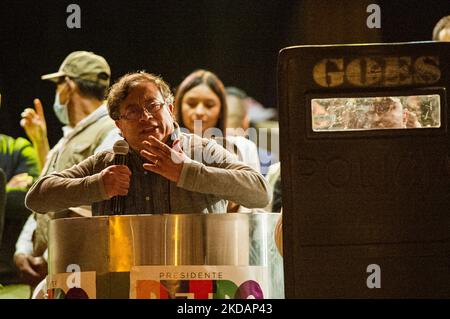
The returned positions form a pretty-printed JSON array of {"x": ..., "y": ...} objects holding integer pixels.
[
  {"x": 170, "y": 107},
  {"x": 119, "y": 125},
  {"x": 71, "y": 84}
]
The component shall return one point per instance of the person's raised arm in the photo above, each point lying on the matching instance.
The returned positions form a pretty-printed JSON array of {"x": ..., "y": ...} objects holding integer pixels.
[{"x": 33, "y": 122}]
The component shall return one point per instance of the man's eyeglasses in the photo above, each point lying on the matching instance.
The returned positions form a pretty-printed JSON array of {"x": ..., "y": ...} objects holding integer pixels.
[{"x": 134, "y": 112}]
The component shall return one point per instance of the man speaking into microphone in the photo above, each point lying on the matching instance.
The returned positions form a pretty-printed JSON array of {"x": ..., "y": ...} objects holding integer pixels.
[{"x": 167, "y": 171}]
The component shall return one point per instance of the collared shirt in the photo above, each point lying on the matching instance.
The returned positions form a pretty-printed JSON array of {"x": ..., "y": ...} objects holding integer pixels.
[
  {"x": 204, "y": 186},
  {"x": 149, "y": 193}
]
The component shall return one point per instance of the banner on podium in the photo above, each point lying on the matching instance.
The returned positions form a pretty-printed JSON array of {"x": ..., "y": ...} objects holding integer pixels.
[{"x": 199, "y": 282}]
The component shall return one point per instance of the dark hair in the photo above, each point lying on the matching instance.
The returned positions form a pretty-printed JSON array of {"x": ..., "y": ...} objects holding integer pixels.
[
  {"x": 120, "y": 90},
  {"x": 443, "y": 23},
  {"x": 197, "y": 78},
  {"x": 91, "y": 89}
]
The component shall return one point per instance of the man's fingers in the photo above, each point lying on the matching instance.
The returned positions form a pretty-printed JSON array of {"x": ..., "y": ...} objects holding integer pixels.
[
  {"x": 21, "y": 175},
  {"x": 122, "y": 192},
  {"x": 155, "y": 150},
  {"x": 39, "y": 108},
  {"x": 29, "y": 270},
  {"x": 123, "y": 184},
  {"x": 157, "y": 144},
  {"x": 30, "y": 118},
  {"x": 123, "y": 169},
  {"x": 122, "y": 178},
  {"x": 121, "y": 189},
  {"x": 26, "y": 119},
  {"x": 116, "y": 179},
  {"x": 36, "y": 261},
  {"x": 25, "y": 267},
  {"x": 121, "y": 175},
  {"x": 24, "y": 122},
  {"x": 28, "y": 113},
  {"x": 27, "y": 122},
  {"x": 150, "y": 156},
  {"x": 151, "y": 167},
  {"x": 20, "y": 180},
  {"x": 120, "y": 169}
]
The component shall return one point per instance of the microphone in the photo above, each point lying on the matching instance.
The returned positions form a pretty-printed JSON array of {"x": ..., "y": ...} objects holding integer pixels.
[{"x": 120, "y": 149}]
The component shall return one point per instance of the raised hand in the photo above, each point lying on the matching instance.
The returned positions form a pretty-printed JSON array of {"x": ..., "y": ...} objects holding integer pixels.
[
  {"x": 32, "y": 269},
  {"x": 33, "y": 122},
  {"x": 165, "y": 161},
  {"x": 22, "y": 180}
]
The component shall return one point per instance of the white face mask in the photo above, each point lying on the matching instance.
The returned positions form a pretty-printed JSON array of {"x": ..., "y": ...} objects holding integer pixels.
[{"x": 61, "y": 110}]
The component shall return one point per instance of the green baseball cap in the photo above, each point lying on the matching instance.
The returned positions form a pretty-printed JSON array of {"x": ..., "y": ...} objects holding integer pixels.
[{"x": 83, "y": 65}]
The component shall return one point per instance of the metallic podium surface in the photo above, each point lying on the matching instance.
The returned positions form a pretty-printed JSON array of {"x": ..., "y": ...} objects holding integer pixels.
[{"x": 112, "y": 245}]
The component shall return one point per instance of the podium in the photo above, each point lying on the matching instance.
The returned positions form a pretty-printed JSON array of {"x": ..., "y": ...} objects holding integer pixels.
[{"x": 165, "y": 256}]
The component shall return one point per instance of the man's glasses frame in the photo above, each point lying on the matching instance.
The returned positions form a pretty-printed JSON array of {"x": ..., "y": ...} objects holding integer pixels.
[{"x": 135, "y": 113}]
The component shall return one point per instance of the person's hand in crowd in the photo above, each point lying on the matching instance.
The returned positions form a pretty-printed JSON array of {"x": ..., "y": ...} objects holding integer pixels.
[
  {"x": 33, "y": 122},
  {"x": 165, "y": 161},
  {"x": 22, "y": 180},
  {"x": 116, "y": 180},
  {"x": 32, "y": 269}
]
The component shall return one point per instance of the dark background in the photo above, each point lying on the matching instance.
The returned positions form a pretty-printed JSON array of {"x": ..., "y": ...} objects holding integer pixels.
[{"x": 239, "y": 40}]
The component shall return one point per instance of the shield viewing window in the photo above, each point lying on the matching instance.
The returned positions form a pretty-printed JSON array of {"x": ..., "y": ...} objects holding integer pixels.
[
  {"x": 364, "y": 169},
  {"x": 375, "y": 113}
]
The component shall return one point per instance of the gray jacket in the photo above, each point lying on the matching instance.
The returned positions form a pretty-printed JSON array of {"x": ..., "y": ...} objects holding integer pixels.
[{"x": 204, "y": 186}]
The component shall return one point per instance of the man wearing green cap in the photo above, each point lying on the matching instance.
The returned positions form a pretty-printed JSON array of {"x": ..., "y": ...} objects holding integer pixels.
[{"x": 81, "y": 84}]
